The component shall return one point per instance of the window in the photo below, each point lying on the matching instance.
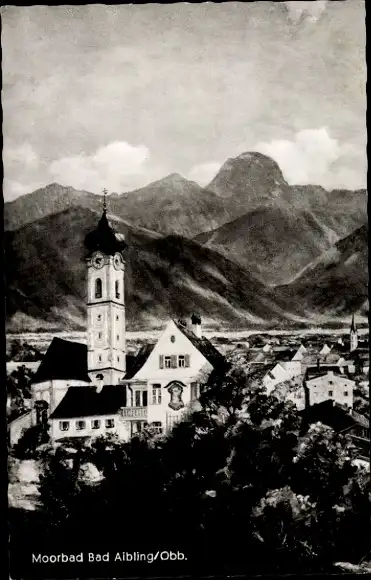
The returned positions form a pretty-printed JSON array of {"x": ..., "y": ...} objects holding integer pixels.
[
  {"x": 117, "y": 316},
  {"x": 99, "y": 317},
  {"x": 98, "y": 288},
  {"x": 181, "y": 360},
  {"x": 167, "y": 362},
  {"x": 330, "y": 393},
  {"x": 345, "y": 393},
  {"x": 95, "y": 424},
  {"x": 99, "y": 335},
  {"x": 117, "y": 289},
  {"x": 64, "y": 425},
  {"x": 137, "y": 399},
  {"x": 172, "y": 338},
  {"x": 118, "y": 337},
  {"x": 331, "y": 382},
  {"x": 156, "y": 394},
  {"x": 157, "y": 426},
  {"x": 118, "y": 359},
  {"x": 110, "y": 423},
  {"x": 100, "y": 358},
  {"x": 80, "y": 425},
  {"x": 145, "y": 399}
]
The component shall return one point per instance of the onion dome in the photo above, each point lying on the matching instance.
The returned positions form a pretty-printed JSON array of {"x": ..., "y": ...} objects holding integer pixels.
[{"x": 104, "y": 238}]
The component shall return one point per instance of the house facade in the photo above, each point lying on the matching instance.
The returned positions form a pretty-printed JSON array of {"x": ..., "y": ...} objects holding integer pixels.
[{"x": 330, "y": 385}]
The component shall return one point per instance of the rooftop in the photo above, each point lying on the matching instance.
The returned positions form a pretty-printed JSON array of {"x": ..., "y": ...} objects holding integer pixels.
[
  {"x": 64, "y": 360},
  {"x": 334, "y": 415},
  {"x": 89, "y": 402}
]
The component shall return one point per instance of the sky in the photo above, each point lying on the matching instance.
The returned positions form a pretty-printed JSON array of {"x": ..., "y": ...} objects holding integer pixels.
[{"x": 101, "y": 96}]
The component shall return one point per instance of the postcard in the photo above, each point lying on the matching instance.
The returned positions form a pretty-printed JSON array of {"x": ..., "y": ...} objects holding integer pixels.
[{"x": 186, "y": 270}]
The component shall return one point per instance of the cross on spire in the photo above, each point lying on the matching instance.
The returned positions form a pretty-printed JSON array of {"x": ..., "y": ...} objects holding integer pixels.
[{"x": 104, "y": 200}]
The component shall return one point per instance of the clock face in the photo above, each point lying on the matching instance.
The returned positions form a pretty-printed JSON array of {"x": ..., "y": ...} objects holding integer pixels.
[
  {"x": 98, "y": 260},
  {"x": 117, "y": 261}
]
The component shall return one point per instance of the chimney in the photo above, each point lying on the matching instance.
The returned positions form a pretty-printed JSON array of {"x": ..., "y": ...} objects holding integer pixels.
[{"x": 196, "y": 325}]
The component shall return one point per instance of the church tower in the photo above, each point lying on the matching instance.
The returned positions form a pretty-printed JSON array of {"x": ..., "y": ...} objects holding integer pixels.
[
  {"x": 105, "y": 303},
  {"x": 353, "y": 336}
]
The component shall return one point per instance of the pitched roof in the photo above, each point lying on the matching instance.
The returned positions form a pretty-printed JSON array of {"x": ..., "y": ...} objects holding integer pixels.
[
  {"x": 136, "y": 363},
  {"x": 63, "y": 360},
  {"x": 315, "y": 371},
  {"x": 285, "y": 355},
  {"x": 334, "y": 415},
  {"x": 203, "y": 345},
  {"x": 88, "y": 402}
]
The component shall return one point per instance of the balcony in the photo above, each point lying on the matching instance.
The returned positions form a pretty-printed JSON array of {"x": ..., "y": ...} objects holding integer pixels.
[{"x": 134, "y": 412}]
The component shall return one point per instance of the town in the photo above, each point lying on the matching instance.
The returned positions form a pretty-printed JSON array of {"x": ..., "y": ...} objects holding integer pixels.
[{"x": 81, "y": 391}]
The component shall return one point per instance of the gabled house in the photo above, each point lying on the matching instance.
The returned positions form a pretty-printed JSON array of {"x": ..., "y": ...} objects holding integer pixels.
[
  {"x": 327, "y": 382},
  {"x": 275, "y": 374}
]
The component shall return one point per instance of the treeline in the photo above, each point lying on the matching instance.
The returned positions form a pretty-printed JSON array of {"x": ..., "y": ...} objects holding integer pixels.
[{"x": 240, "y": 482}]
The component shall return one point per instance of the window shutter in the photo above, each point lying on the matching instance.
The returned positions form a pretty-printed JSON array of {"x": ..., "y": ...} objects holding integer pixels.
[
  {"x": 161, "y": 361},
  {"x": 173, "y": 361},
  {"x": 187, "y": 361}
]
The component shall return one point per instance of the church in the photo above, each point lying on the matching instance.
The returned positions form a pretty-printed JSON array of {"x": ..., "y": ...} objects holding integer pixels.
[{"x": 95, "y": 389}]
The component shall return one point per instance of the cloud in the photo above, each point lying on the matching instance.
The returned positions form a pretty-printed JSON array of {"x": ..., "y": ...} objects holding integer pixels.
[
  {"x": 22, "y": 168},
  {"x": 115, "y": 166},
  {"x": 22, "y": 154},
  {"x": 203, "y": 173},
  {"x": 310, "y": 10},
  {"x": 314, "y": 157}
]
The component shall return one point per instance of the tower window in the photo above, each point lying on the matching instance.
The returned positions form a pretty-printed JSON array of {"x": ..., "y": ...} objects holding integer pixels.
[
  {"x": 330, "y": 393},
  {"x": 117, "y": 316},
  {"x": 345, "y": 393},
  {"x": 117, "y": 289},
  {"x": 99, "y": 335},
  {"x": 98, "y": 288},
  {"x": 118, "y": 337},
  {"x": 118, "y": 359},
  {"x": 100, "y": 358}
]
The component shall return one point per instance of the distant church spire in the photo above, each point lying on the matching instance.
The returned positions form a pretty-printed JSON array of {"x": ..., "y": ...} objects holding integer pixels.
[
  {"x": 353, "y": 327},
  {"x": 353, "y": 335}
]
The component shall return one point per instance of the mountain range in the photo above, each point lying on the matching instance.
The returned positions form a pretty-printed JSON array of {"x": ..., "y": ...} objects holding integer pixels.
[{"x": 248, "y": 249}]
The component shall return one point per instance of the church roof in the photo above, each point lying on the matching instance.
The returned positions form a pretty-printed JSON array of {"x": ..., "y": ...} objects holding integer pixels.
[
  {"x": 63, "y": 360},
  {"x": 88, "y": 402},
  {"x": 203, "y": 345},
  {"x": 104, "y": 238}
]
